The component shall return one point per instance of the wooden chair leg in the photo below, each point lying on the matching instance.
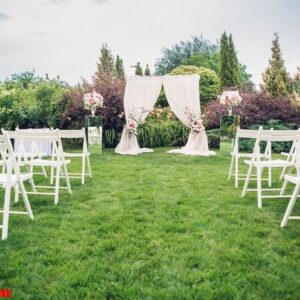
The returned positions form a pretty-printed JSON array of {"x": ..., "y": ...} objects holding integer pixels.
[
  {"x": 52, "y": 175},
  {"x": 246, "y": 184},
  {"x": 26, "y": 201},
  {"x": 236, "y": 172},
  {"x": 16, "y": 187},
  {"x": 290, "y": 206},
  {"x": 57, "y": 181},
  {"x": 282, "y": 173},
  {"x": 269, "y": 176},
  {"x": 31, "y": 179},
  {"x": 283, "y": 188},
  {"x": 82, "y": 169},
  {"x": 6, "y": 213},
  {"x": 259, "y": 192},
  {"x": 67, "y": 178},
  {"x": 231, "y": 167},
  {"x": 89, "y": 166}
]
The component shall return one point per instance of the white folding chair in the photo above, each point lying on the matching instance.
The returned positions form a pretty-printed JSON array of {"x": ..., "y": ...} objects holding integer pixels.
[
  {"x": 294, "y": 180},
  {"x": 256, "y": 162},
  {"x": 23, "y": 152},
  {"x": 84, "y": 155},
  {"x": 56, "y": 161},
  {"x": 288, "y": 156},
  {"x": 10, "y": 178},
  {"x": 236, "y": 155}
]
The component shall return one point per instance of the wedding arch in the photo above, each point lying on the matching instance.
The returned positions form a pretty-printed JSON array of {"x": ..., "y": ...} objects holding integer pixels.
[{"x": 182, "y": 92}]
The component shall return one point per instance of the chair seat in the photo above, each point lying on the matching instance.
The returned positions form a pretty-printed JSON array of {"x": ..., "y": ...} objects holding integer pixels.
[
  {"x": 246, "y": 155},
  {"x": 285, "y": 154},
  {"x": 271, "y": 163},
  {"x": 24, "y": 176},
  {"x": 49, "y": 163},
  {"x": 75, "y": 154},
  {"x": 29, "y": 155},
  {"x": 292, "y": 179}
]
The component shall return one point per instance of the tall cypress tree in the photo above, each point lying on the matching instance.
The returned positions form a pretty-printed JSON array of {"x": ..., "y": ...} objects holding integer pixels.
[
  {"x": 138, "y": 69},
  {"x": 230, "y": 74},
  {"x": 224, "y": 62},
  {"x": 275, "y": 77},
  {"x": 120, "y": 73},
  {"x": 147, "y": 71},
  {"x": 106, "y": 65},
  {"x": 233, "y": 63}
]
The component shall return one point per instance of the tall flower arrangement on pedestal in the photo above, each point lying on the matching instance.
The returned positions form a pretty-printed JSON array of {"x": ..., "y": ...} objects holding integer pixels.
[
  {"x": 230, "y": 99},
  {"x": 92, "y": 101}
]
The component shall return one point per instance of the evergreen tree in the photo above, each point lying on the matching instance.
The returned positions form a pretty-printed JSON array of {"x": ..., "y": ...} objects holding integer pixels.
[
  {"x": 296, "y": 82},
  {"x": 138, "y": 69},
  {"x": 120, "y": 73},
  {"x": 230, "y": 74},
  {"x": 275, "y": 78},
  {"x": 106, "y": 65},
  {"x": 233, "y": 63},
  {"x": 224, "y": 62},
  {"x": 297, "y": 77},
  {"x": 147, "y": 71}
]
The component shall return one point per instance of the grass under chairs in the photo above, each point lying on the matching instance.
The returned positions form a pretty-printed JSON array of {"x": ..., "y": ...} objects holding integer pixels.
[{"x": 154, "y": 226}]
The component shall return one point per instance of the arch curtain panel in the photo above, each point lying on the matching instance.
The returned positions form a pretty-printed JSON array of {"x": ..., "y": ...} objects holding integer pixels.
[
  {"x": 182, "y": 93},
  {"x": 141, "y": 93}
]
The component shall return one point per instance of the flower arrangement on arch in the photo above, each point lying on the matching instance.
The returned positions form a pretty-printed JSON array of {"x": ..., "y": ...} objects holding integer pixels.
[
  {"x": 92, "y": 101},
  {"x": 230, "y": 99},
  {"x": 197, "y": 125},
  {"x": 195, "y": 122},
  {"x": 131, "y": 126}
]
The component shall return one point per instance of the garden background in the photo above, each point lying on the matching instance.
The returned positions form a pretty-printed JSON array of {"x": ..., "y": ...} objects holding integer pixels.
[{"x": 31, "y": 101}]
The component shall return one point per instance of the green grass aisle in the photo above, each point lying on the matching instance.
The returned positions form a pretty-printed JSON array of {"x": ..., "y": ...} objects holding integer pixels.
[{"x": 155, "y": 226}]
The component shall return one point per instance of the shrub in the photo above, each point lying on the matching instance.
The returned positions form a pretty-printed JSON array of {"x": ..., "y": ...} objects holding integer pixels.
[
  {"x": 113, "y": 92},
  {"x": 209, "y": 81},
  {"x": 29, "y": 102},
  {"x": 256, "y": 108},
  {"x": 159, "y": 133}
]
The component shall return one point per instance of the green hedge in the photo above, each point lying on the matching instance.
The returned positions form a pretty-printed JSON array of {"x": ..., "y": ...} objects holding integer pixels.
[{"x": 160, "y": 134}]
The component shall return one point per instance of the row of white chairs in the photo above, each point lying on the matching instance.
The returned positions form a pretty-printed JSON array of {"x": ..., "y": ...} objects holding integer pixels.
[
  {"x": 259, "y": 161},
  {"x": 16, "y": 158}
]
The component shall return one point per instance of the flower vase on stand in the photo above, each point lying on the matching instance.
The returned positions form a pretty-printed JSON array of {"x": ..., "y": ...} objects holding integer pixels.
[{"x": 230, "y": 122}]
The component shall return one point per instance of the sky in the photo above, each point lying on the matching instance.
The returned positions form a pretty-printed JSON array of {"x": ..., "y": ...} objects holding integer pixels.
[{"x": 64, "y": 37}]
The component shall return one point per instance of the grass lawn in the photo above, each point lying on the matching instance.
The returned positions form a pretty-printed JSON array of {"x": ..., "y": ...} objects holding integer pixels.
[{"x": 155, "y": 226}]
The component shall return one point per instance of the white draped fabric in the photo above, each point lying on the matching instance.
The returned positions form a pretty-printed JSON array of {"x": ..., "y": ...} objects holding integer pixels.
[
  {"x": 182, "y": 93},
  {"x": 140, "y": 96}
]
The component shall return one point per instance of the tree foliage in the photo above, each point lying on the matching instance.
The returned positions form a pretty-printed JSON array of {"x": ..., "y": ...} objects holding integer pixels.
[
  {"x": 230, "y": 75},
  {"x": 174, "y": 56},
  {"x": 275, "y": 78},
  {"x": 106, "y": 64},
  {"x": 209, "y": 81},
  {"x": 200, "y": 52},
  {"x": 120, "y": 73},
  {"x": 138, "y": 69},
  {"x": 30, "y": 101},
  {"x": 205, "y": 60},
  {"x": 147, "y": 71}
]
